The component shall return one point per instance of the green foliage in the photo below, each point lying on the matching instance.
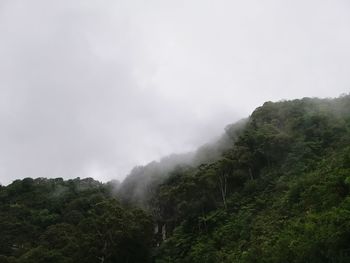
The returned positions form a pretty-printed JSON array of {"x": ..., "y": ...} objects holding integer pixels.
[
  {"x": 71, "y": 221},
  {"x": 286, "y": 193},
  {"x": 275, "y": 188}
]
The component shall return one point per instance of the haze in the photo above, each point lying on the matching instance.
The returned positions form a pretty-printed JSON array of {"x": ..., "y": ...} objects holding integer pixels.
[{"x": 92, "y": 88}]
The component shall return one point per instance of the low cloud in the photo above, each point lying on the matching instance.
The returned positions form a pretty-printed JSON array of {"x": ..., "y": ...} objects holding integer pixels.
[{"x": 92, "y": 88}]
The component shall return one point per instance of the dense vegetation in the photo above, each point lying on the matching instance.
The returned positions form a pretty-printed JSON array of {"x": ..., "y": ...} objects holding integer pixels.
[
  {"x": 51, "y": 220},
  {"x": 274, "y": 188},
  {"x": 279, "y": 193}
]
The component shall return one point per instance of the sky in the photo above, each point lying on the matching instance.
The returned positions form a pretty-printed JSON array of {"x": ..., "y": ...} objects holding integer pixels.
[{"x": 93, "y": 88}]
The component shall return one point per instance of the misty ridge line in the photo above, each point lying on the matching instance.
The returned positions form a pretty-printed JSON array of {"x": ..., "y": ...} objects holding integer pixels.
[
  {"x": 90, "y": 89},
  {"x": 174, "y": 131},
  {"x": 280, "y": 173},
  {"x": 208, "y": 152},
  {"x": 154, "y": 173}
]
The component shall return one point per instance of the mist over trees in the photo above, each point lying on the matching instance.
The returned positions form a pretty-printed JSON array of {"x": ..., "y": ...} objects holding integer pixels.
[
  {"x": 140, "y": 185},
  {"x": 275, "y": 187},
  {"x": 52, "y": 220}
]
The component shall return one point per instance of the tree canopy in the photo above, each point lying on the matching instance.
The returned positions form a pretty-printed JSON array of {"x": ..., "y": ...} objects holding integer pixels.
[{"x": 274, "y": 188}]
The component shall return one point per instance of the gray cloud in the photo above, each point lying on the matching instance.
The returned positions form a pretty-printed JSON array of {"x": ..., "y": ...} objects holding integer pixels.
[{"x": 92, "y": 88}]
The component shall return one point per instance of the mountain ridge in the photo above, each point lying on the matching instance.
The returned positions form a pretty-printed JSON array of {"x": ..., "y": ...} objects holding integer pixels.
[{"x": 274, "y": 188}]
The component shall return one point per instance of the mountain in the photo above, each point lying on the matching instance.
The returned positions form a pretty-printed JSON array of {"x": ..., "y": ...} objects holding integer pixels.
[
  {"x": 279, "y": 194},
  {"x": 278, "y": 191},
  {"x": 273, "y": 188}
]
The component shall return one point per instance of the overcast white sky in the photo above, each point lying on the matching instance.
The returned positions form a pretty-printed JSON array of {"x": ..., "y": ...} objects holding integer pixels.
[{"x": 92, "y": 88}]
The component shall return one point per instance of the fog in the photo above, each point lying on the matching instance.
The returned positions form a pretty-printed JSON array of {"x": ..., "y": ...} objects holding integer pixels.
[{"x": 93, "y": 88}]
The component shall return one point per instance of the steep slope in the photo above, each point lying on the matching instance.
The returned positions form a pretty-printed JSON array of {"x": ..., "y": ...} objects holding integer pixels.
[
  {"x": 140, "y": 185},
  {"x": 274, "y": 188},
  {"x": 279, "y": 194}
]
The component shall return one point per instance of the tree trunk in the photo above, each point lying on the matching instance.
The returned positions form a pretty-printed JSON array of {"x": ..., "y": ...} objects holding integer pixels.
[{"x": 223, "y": 188}]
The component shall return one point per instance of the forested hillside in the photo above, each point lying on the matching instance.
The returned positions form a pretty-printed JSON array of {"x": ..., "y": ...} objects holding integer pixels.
[
  {"x": 51, "y": 220},
  {"x": 280, "y": 194},
  {"x": 274, "y": 188}
]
